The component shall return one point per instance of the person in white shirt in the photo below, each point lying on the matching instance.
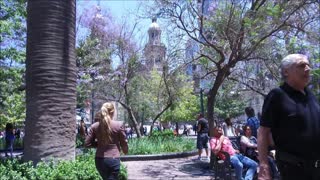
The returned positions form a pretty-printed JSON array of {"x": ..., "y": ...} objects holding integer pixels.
[{"x": 228, "y": 128}]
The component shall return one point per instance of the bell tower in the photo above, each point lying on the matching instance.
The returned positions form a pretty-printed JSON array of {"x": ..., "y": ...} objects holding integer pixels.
[{"x": 154, "y": 51}]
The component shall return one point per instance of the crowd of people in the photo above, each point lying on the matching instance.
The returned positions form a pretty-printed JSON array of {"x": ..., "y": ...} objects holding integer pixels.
[
  {"x": 285, "y": 140},
  {"x": 242, "y": 157}
]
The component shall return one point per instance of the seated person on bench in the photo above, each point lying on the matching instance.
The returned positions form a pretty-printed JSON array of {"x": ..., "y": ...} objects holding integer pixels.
[
  {"x": 248, "y": 144},
  {"x": 222, "y": 143}
]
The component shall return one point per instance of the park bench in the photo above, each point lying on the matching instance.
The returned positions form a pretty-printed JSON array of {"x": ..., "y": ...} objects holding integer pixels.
[{"x": 223, "y": 168}]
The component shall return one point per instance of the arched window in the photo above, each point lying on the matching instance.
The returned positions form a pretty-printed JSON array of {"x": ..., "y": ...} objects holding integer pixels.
[{"x": 158, "y": 59}]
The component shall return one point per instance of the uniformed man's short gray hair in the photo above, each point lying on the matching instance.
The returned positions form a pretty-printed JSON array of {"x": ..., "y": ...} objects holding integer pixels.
[{"x": 288, "y": 61}]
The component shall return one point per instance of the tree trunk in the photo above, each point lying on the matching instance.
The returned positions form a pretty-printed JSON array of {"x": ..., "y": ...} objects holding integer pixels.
[
  {"x": 50, "y": 80},
  {"x": 132, "y": 118},
  {"x": 177, "y": 128},
  {"x": 134, "y": 122},
  {"x": 151, "y": 129},
  {"x": 210, "y": 110},
  {"x": 158, "y": 115},
  {"x": 212, "y": 98}
]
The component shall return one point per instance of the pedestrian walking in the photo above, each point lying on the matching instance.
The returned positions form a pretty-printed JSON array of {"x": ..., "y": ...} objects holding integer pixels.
[
  {"x": 202, "y": 137},
  {"x": 195, "y": 128},
  {"x": 291, "y": 114},
  {"x": 109, "y": 137},
  {"x": 9, "y": 138}
]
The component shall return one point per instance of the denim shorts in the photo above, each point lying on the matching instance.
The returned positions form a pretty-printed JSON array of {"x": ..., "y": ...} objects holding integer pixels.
[{"x": 202, "y": 140}]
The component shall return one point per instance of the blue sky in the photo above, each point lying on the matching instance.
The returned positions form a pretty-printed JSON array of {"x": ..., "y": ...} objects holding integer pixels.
[
  {"x": 120, "y": 9},
  {"x": 117, "y": 7}
]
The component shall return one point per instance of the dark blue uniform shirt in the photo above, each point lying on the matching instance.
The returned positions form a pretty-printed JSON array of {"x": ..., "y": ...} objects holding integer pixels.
[
  {"x": 203, "y": 125},
  {"x": 294, "y": 119}
]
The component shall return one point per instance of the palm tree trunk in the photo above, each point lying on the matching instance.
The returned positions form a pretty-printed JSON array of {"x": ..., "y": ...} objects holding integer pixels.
[{"x": 50, "y": 80}]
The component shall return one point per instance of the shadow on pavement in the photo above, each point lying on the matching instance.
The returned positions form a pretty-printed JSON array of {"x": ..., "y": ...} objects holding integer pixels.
[
  {"x": 185, "y": 170},
  {"x": 197, "y": 168}
]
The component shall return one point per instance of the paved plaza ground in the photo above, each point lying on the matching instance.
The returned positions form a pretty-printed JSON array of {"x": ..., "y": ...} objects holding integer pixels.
[
  {"x": 16, "y": 153},
  {"x": 178, "y": 168}
]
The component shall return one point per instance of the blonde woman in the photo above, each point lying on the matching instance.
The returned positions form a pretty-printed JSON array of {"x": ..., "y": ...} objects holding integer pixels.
[{"x": 109, "y": 137}]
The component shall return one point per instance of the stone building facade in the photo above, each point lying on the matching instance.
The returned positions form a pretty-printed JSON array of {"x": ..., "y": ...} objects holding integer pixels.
[{"x": 155, "y": 50}]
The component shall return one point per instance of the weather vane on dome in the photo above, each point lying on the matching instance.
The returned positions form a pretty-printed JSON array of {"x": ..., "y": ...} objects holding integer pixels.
[
  {"x": 154, "y": 19},
  {"x": 155, "y": 16}
]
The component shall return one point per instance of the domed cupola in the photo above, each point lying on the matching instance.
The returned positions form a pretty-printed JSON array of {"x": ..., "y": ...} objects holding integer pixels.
[
  {"x": 154, "y": 51},
  {"x": 154, "y": 33}
]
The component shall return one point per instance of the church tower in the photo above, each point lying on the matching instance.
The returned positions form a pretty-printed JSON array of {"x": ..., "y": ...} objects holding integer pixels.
[{"x": 154, "y": 51}]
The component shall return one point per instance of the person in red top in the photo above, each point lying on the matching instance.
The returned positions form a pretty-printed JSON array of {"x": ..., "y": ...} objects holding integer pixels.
[
  {"x": 109, "y": 137},
  {"x": 219, "y": 143}
]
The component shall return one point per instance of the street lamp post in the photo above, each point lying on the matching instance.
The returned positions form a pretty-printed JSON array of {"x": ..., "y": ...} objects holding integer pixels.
[
  {"x": 92, "y": 108},
  {"x": 92, "y": 75},
  {"x": 201, "y": 101}
]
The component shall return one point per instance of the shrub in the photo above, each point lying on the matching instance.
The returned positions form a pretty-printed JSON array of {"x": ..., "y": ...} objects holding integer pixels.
[
  {"x": 123, "y": 175},
  {"x": 166, "y": 134},
  {"x": 79, "y": 141},
  {"x": 82, "y": 168},
  {"x": 160, "y": 142}
]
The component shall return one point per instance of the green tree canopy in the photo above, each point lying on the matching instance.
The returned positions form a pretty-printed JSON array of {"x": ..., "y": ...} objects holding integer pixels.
[{"x": 12, "y": 59}]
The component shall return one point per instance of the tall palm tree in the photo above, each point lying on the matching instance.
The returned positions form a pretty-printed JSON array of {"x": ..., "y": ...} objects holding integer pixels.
[{"x": 50, "y": 80}]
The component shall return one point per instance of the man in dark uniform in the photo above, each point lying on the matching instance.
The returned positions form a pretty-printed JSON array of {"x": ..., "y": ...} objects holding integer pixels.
[
  {"x": 202, "y": 137},
  {"x": 291, "y": 114},
  {"x": 252, "y": 121}
]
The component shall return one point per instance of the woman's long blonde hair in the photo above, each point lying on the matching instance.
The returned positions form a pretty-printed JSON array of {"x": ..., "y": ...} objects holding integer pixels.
[{"x": 104, "y": 130}]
